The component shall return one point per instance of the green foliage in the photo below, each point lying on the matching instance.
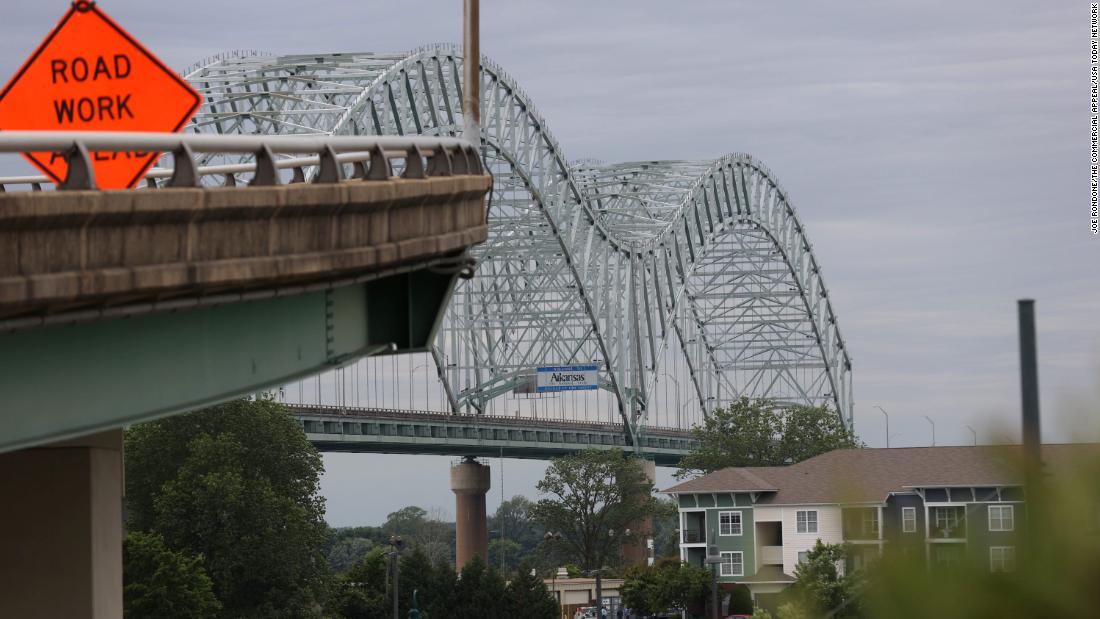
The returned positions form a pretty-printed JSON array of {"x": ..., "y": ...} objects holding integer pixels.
[
  {"x": 362, "y": 592},
  {"x": 507, "y": 553},
  {"x": 761, "y": 613},
  {"x": 480, "y": 594},
  {"x": 820, "y": 587},
  {"x": 163, "y": 583},
  {"x": 426, "y": 531},
  {"x": 346, "y": 552},
  {"x": 528, "y": 596},
  {"x": 669, "y": 584},
  {"x": 238, "y": 484},
  {"x": 523, "y": 538},
  {"x": 760, "y": 433},
  {"x": 740, "y": 600},
  {"x": 594, "y": 498},
  {"x": 666, "y": 522}
]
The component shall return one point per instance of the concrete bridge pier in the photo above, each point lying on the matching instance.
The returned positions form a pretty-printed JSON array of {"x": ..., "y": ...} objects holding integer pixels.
[
  {"x": 470, "y": 482},
  {"x": 638, "y": 552},
  {"x": 61, "y": 529}
]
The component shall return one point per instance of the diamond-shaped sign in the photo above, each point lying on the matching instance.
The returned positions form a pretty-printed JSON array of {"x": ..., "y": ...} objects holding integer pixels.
[{"x": 90, "y": 75}]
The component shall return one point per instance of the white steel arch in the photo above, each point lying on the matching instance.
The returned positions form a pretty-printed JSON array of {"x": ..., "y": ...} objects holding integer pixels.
[{"x": 627, "y": 265}]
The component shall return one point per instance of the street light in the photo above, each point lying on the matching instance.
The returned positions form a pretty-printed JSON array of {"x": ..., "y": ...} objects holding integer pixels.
[
  {"x": 554, "y": 536},
  {"x": 974, "y": 434},
  {"x": 412, "y": 376},
  {"x": 887, "y": 415},
  {"x": 714, "y": 561},
  {"x": 396, "y": 542},
  {"x": 933, "y": 429}
]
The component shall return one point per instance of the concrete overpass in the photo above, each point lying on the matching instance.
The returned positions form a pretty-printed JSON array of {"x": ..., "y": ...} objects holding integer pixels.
[{"x": 122, "y": 306}]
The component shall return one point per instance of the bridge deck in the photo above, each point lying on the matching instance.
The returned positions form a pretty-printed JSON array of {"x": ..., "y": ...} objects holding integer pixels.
[{"x": 357, "y": 430}]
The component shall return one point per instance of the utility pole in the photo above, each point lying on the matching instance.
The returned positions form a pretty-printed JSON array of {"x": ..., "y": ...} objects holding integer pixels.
[
  {"x": 973, "y": 434},
  {"x": 471, "y": 70}
]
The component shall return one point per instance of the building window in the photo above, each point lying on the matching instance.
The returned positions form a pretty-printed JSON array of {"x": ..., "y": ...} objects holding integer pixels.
[
  {"x": 806, "y": 521},
  {"x": 950, "y": 522},
  {"x": 1001, "y": 518},
  {"x": 733, "y": 564},
  {"x": 729, "y": 523},
  {"x": 870, "y": 521},
  {"x": 1002, "y": 558},
  {"x": 803, "y": 555},
  {"x": 909, "y": 520}
]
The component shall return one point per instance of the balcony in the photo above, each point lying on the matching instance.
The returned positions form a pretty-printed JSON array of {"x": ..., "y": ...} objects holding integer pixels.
[
  {"x": 947, "y": 523},
  {"x": 771, "y": 555},
  {"x": 693, "y": 537}
]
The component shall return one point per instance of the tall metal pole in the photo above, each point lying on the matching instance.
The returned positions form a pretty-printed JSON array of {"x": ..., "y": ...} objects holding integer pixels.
[
  {"x": 933, "y": 429},
  {"x": 1029, "y": 382},
  {"x": 396, "y": 588},
  {"x": 471, "y": 69},
  {"x": 887, "y": 415},
  {"x": 974, "y": 434}
]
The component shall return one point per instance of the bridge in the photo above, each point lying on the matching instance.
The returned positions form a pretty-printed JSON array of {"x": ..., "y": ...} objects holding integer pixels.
[
  {"x": 691, "y": 284},
  {"x": 315, "y": 220},
  {"x": 367, "y": 430}
]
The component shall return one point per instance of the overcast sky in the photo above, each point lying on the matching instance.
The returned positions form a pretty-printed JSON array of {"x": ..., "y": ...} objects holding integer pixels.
[{"x": 937, "y": 153}]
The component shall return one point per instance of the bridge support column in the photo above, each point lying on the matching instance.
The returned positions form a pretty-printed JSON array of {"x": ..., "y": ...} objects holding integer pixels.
[
  {"x": 470, "y": 482},
  {"x": 61, "y": 529},
  {"x": 638, "y": 552}
]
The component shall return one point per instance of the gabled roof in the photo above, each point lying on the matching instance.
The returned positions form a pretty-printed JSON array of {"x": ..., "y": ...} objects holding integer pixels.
[{"x": 870, "y": 475}]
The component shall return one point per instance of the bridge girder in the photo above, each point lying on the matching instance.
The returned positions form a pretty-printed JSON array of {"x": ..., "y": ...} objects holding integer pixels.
[{"x": 624, "y": 265}]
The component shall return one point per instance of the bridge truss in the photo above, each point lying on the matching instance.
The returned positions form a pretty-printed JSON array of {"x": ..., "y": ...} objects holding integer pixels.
[{"x": 697, "y": 274}]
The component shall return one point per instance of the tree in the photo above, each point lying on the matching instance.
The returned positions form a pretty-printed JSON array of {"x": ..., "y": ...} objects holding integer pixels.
[
  {"x": 669, "y": 584},
  {"x": 160, "y": 582},
  {"x": 346, "y": 552},
  {"x": 405, "y": 521},
  {"x": 820, "y": 586},
  {"x": 362, "y": 591},
  {"x": 238, "y": 484},
  {"x": 528, "y": 597},
  {"x": 480, "y": 593},
  {"x": 427, "y": 531},
  {"x": 808, "y": 431},
  {"x": 666, "y": 533},
  {"x": 761, "y": 433},
  {"x": 594, "y": 498},
  {"x": 506, "y": 553}
]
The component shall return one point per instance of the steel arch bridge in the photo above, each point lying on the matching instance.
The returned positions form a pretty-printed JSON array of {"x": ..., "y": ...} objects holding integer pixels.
[{"x": 638, "y": 267}]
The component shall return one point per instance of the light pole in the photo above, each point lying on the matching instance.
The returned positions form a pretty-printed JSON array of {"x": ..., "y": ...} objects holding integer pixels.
[
  {"x": 412, "y": 375},
  {"x": 713, "y": 561},
  {"x": 887, "y": 415},
  {"x": 397, "y": 543},
  {"x": 933, "y": 429},
  {"x": 974, "y": 434},
  {"x": 554, "y": 536}
]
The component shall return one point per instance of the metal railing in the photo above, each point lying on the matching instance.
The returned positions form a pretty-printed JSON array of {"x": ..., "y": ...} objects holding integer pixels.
[{"x": 369, "y": 156}]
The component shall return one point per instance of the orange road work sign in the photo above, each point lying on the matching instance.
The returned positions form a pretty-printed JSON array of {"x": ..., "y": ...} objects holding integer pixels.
[{"x": 90, "y": 75}]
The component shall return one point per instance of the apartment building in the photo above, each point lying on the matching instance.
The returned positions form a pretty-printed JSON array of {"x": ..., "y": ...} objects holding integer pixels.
[{"x": 945, "y": 502}]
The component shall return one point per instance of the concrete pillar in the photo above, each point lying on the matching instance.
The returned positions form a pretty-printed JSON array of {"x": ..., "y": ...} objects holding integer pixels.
[
  {"x": 637, "y": 553},
  {"x": 61, "y": 529},
  {"x": 470, "y": 482}
]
